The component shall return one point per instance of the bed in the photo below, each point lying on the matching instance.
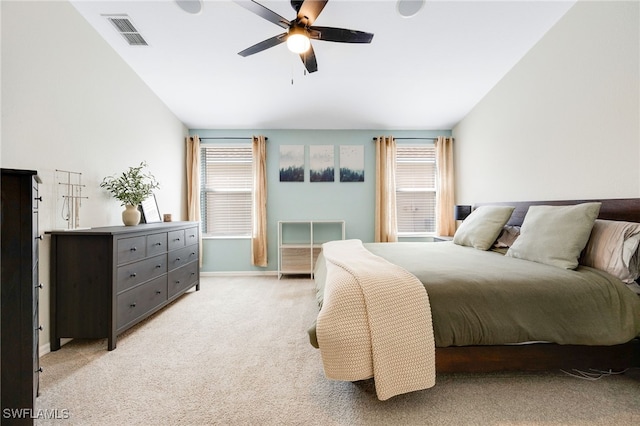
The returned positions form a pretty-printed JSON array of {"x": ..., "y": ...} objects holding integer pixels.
[{"x": 491, "y": 311}]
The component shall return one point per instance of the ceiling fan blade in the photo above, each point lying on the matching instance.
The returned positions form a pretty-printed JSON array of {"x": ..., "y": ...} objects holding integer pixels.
[
  {"x": 263, "y": 45},
  {"x": 263, "y": 12},
  {"x": 310, "y": 10},
  {"x": 341, "y": 35},
  {"x": 309, "y": 60}
]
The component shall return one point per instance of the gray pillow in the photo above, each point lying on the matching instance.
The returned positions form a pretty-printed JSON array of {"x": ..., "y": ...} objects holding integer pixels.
[
  {"x": 613, "y": 247},
  {"x": 555, "y": 235},
  {"x": 481, "y": 228}
]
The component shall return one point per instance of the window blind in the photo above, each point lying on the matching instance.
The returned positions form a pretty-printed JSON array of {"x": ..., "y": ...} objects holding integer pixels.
[
  {"x": 415, "y": 188},
  {"x": 226, "y": 190}
]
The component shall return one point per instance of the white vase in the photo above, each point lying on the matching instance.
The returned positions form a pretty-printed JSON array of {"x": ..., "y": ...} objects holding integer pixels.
[{"x": 131, "y": 215}]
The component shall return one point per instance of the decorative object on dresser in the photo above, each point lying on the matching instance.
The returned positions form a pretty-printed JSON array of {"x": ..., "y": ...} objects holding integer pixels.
[
  {"x": 20, "y": 287},
  {"x": 150, "y": 211},
  {"x": 69, "y": 198},
  {"x": 105, "y": 280},
  {"x": 131, "y": 188}
]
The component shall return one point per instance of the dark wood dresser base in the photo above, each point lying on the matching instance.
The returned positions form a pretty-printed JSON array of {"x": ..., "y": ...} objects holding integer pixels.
[{"x": 105, "y": 280}]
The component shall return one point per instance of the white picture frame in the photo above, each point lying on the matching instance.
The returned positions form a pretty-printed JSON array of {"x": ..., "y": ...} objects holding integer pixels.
[{"x": 150, "y": 212}]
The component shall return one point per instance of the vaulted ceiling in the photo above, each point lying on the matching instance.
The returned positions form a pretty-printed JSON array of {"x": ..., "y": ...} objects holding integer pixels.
[{"x": 422, "y": 72}]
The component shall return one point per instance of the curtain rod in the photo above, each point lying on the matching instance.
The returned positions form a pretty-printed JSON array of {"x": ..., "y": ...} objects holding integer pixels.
[
  {"x": 232, "y": 137},
  {"x": 426, "y": 139}
]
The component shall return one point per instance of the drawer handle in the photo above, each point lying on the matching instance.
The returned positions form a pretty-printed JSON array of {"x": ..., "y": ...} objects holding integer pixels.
[
  {"x": 134, "y": 248},
  {"x": 39, "y": 370},
  {"x": 40, "y": 328},
  {"x": 133, "y": 305},
  {"x": 39, "y": 237},
  {"x": 193, "y": 253},
  {"x": 133, "y": 275},
  {"x": 38, "y": 198},
  {"x": 177, "y": 281},
  {"x": 158, "y": 244},
  {"x": 177, "y": 239},
  {"x": 40, "y": 286},
  {"x": 158, "y": 292},
  {"x": 192, "y": 236},
  {"x": 193, "y": 273},
  {"x": 178, "y": 259},
  {"x": 159, "y": 266}
]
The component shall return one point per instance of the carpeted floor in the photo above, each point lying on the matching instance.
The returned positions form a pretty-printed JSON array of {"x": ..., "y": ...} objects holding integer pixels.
[{"x": 237, "y": 353}]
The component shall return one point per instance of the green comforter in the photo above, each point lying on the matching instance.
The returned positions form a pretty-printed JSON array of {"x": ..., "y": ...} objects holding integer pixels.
[{"x": 484, "y": 298}]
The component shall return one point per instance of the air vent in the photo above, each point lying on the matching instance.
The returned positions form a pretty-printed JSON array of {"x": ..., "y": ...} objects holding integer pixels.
[{"x": 125, "y": 27}]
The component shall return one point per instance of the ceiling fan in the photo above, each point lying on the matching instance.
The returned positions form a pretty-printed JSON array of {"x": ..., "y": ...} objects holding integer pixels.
[{"x": 300, "y": 30}]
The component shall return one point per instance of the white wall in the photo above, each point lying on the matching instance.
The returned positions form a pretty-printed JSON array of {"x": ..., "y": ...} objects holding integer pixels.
[
  {"x": 564, "y": 123},
  {"x": 70, "y": 103}
]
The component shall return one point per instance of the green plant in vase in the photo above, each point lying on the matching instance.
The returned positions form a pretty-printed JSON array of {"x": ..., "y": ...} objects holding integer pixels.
[{"x": 131, "y": 188}]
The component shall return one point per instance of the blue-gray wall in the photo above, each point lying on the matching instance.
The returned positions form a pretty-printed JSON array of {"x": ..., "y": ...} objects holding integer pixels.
[{"x": 349, "y": 201}]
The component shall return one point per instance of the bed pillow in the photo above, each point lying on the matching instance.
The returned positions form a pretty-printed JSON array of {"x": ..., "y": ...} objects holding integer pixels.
[
  {"x": 613, "y": 248},
  {"x": 505, "y": 239},
  {"x": 555, "y": 235},
  {"x": 507, "y": 236},
  {"x": 481, "y": 228}
]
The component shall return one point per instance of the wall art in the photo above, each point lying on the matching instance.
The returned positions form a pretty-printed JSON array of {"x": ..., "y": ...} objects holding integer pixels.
[
  {"x": 351, "y": 163},
  {"x": 321, "y": 163},
  {"x": 291, "y": 163}
]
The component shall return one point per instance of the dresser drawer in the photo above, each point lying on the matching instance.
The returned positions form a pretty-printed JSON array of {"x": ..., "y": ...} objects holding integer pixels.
[
  {"x": 176, "y": 239},
  {"x": 191, "y": 236},
  {"x": 182, "y": 278},
  {"x": 138, "y": 301},
  {"x": 180, "y": 257},
  {"x": 156, "y": 244},
  {"x": 130, "y": 249},
  {"x": 139, "y": 272}
]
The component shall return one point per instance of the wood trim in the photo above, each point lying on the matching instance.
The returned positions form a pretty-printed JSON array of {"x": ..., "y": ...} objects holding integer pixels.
[
  {"x": 536, "y": 357},
  {"x": 626, "y": 209}
]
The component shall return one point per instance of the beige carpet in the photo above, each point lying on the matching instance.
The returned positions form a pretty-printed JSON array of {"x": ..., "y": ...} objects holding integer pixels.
[{"x": 237, "y": 353}]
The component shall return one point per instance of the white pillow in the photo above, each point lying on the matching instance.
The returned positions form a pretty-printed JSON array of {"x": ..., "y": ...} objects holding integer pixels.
[
  {"x": 481, "y": 228},
  {"x": 555, "y": 235}
]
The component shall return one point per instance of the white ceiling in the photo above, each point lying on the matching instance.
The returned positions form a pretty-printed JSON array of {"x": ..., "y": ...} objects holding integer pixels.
[{"x": 424, "y": 72}]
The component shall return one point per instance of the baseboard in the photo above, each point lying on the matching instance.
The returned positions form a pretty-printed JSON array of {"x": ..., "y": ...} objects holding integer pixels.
[
  {"x": 46, "y": 348},
  {"x": 238, "y": 273}
]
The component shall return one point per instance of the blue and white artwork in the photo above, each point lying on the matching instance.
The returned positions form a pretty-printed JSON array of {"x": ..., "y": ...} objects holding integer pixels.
[
  {"x": 291, "y": 163},
  {"x": 321, "y": 163},
  {"x": 351, "y": 163}
]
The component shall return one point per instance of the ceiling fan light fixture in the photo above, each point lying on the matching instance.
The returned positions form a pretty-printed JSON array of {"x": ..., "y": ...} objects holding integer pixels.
[
  {"x": 409, "y": 8},
  {"x": 298, "y": 41}
]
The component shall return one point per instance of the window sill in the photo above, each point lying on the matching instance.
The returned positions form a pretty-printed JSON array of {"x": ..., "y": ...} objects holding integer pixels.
[
  {"x": 226, "y": 237},
  {"x": 416, "y": 234}
]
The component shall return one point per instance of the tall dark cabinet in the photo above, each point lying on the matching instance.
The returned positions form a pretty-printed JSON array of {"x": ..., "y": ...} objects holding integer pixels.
[{"x": 19, "y": 293}]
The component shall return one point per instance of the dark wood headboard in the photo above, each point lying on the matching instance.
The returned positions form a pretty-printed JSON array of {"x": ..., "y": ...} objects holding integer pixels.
[{"x": 627, "y": 209}]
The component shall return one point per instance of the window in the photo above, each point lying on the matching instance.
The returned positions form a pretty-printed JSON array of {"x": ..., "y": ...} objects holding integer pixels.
[
  {"x": 416, "y": 189},
  {"x": 226, "y": 190}
]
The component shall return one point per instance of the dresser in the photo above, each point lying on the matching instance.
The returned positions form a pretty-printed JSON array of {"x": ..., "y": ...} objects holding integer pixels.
[
  {"x": 105, "y": 280},
  {"x": 20, "y": 287}
]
